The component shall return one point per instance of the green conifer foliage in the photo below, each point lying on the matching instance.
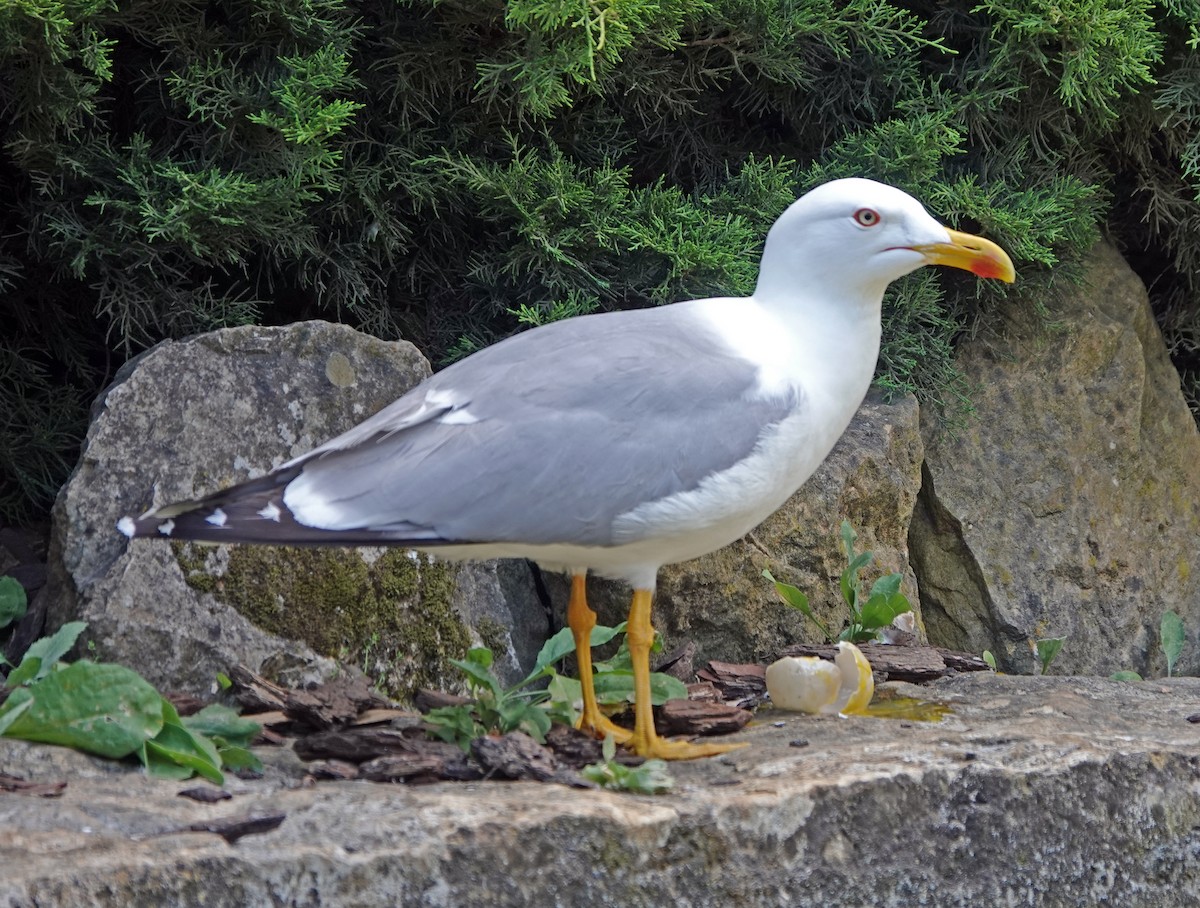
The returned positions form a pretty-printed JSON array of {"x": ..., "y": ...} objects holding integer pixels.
[{"x": 451, "y": 171}]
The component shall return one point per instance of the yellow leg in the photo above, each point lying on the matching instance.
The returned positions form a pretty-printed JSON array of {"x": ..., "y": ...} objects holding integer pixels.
[
  {"x": 581, "y": 619},
  {"x": 646, "y": 742}
]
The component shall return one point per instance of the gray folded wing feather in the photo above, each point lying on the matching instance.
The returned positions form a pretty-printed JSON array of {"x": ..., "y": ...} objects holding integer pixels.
[{"x": 546, "y": 437}]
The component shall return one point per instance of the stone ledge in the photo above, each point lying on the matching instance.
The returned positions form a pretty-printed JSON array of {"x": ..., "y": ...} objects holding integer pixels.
[{"x": 1036, "y": 791}]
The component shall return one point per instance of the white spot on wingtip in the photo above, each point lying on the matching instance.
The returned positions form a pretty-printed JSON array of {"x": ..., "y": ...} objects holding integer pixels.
[
  {"x": 437, "y": 398},
  {"x": 270, "y": 512},
  {"x": 461, "y": 417},
  {"x": 217, "y": 518},
  {"x": 167, "y": 527},
  {"x": 127, "y": 526}
]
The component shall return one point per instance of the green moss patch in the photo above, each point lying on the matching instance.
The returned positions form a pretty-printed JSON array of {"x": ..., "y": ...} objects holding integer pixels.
[{"x": 391, "y": 616}]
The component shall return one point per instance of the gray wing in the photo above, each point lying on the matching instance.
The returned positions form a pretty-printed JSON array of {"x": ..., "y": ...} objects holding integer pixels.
[{"x": 544, "y": 438}]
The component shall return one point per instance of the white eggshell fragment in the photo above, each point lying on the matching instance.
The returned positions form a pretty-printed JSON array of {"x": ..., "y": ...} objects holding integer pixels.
[
  {"x": 811, "y": 685},
  {"x": 803, "y": 683}
]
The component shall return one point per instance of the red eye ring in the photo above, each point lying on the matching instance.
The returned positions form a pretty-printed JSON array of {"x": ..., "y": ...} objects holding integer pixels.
[{"x": 867, "y": 217}]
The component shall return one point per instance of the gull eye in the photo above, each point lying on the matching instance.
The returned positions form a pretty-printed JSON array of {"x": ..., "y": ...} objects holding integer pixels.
[{"x": 867, "y": 217}]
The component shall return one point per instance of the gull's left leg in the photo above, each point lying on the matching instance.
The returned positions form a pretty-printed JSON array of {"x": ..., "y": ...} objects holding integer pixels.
[
  {"x": 581, "y": 619},
  {"x": 646, "y": 742}
]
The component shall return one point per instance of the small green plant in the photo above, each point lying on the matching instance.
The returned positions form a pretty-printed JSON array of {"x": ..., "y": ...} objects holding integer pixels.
[
  {"x": 114, "y": 712},
  {"x": 531, "y": 709},
  {"x": 1171, "y": 639},
  {"x": 1125, "y": 676},
  {"x": 989, "y": 659},
  {"x": 1047, "y": 650},
  {"x": 12, "y": 601},
  {"x": 868, "y": 614},
  {"x": 651, "y": 777}
]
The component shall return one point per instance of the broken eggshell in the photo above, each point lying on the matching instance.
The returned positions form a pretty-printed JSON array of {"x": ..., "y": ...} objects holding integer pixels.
[{"x": 812, "y": 685}]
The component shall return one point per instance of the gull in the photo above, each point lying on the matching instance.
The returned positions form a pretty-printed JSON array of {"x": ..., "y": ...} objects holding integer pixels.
[{"x": 621, "y": 441}]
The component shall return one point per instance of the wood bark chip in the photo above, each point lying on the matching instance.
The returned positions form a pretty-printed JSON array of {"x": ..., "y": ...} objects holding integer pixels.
[
  {"x": 233, "y": 828},
  {"x": 254, "y": 692},
  {"x": 516, "y": 756},
  {"x": 205, "y": 794},
  {"x": 336, "y": 702},
  {"x": 741, "y": 685},
  {"x": 18, "y": 785},
  {"x": 416, "y": 767},
  {"x": 185, "y": 704},
  {"x": 337, "y": 770},
  {"x": 694, "y": 717},
  {"x": 357, "y": 745}
]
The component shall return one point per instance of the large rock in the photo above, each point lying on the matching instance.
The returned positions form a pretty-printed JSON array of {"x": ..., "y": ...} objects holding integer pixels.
[
  {"x": 724, "y": 604},
  {"x": 1055, "y": 792},
  {"x": 1070, "y": 505},
  {"x": 191, "y": 416}
]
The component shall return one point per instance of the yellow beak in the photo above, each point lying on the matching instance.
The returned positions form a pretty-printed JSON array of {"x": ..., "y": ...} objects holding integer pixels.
[{"x": 971, "y": 253}]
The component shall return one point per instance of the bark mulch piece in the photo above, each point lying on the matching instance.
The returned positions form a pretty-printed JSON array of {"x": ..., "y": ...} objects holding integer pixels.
[
  {"x": 336, "y": 770},
  {"x": 359, "y": 744},
  {"x": 333, "y": 703},
  {"x": 185, "y": 704},
  {"x": 430, "y": 761},
  {"x": 205, "y": 795},
  {"x": 233, "y": 828},
  {"x": 740, "y": 685},
  {"x": 18, "y": 785},
  {"x": 255, "y": 693},
  {"x": 697, "y": 717},
  {"x": 518, "y": 757}
]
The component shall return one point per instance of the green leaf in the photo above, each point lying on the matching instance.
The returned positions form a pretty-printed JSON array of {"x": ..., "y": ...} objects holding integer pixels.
[
  {"x": 797, "y": 600},
  {"x": 176, "y": 744},
  {"x": 481, "y": 656},
  {"x": 652, "y": 777},
  {"x": 48, "y": 650},
  {"x": 29, "y": 667},
  {"x": 790, "y": 594},
  {"x": 238, "y": 758},
  {"x": 224, "y": 681},
  {"x": 848, "y": 537},
  {"x": 881, "y": 610},
  {"x": 104, "y": 709},
  {"x": 454, "y": 724},
  {"x": 617, "y": 687},
  {"x": 217, "y": 721},
  {"x": 1047, "y": 650},
  {"x": 160, "y": 766},
  {"x": 563, "y": 644},
  {"x": 1125, "y": 676},
  {"x": 1171, "y": 639},
  {"x": 13, "y": 601},
  {"x": 477, "y": 668},
  {"x": 565, "y": 690},
  {"x": 887, "y": 586},
  {"x": 988, "y": 659},
  {"x": 850, "y": 578},
  {"x": 19, "y": 701}
]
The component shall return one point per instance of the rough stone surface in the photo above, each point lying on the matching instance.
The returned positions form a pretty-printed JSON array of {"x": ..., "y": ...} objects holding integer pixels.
[
  {"x": 1039, "y": 792},
  {"x": 722, "y": 601},
  {"x": 1070, "y": 506},
  {"x": 191, "y": 416}
]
